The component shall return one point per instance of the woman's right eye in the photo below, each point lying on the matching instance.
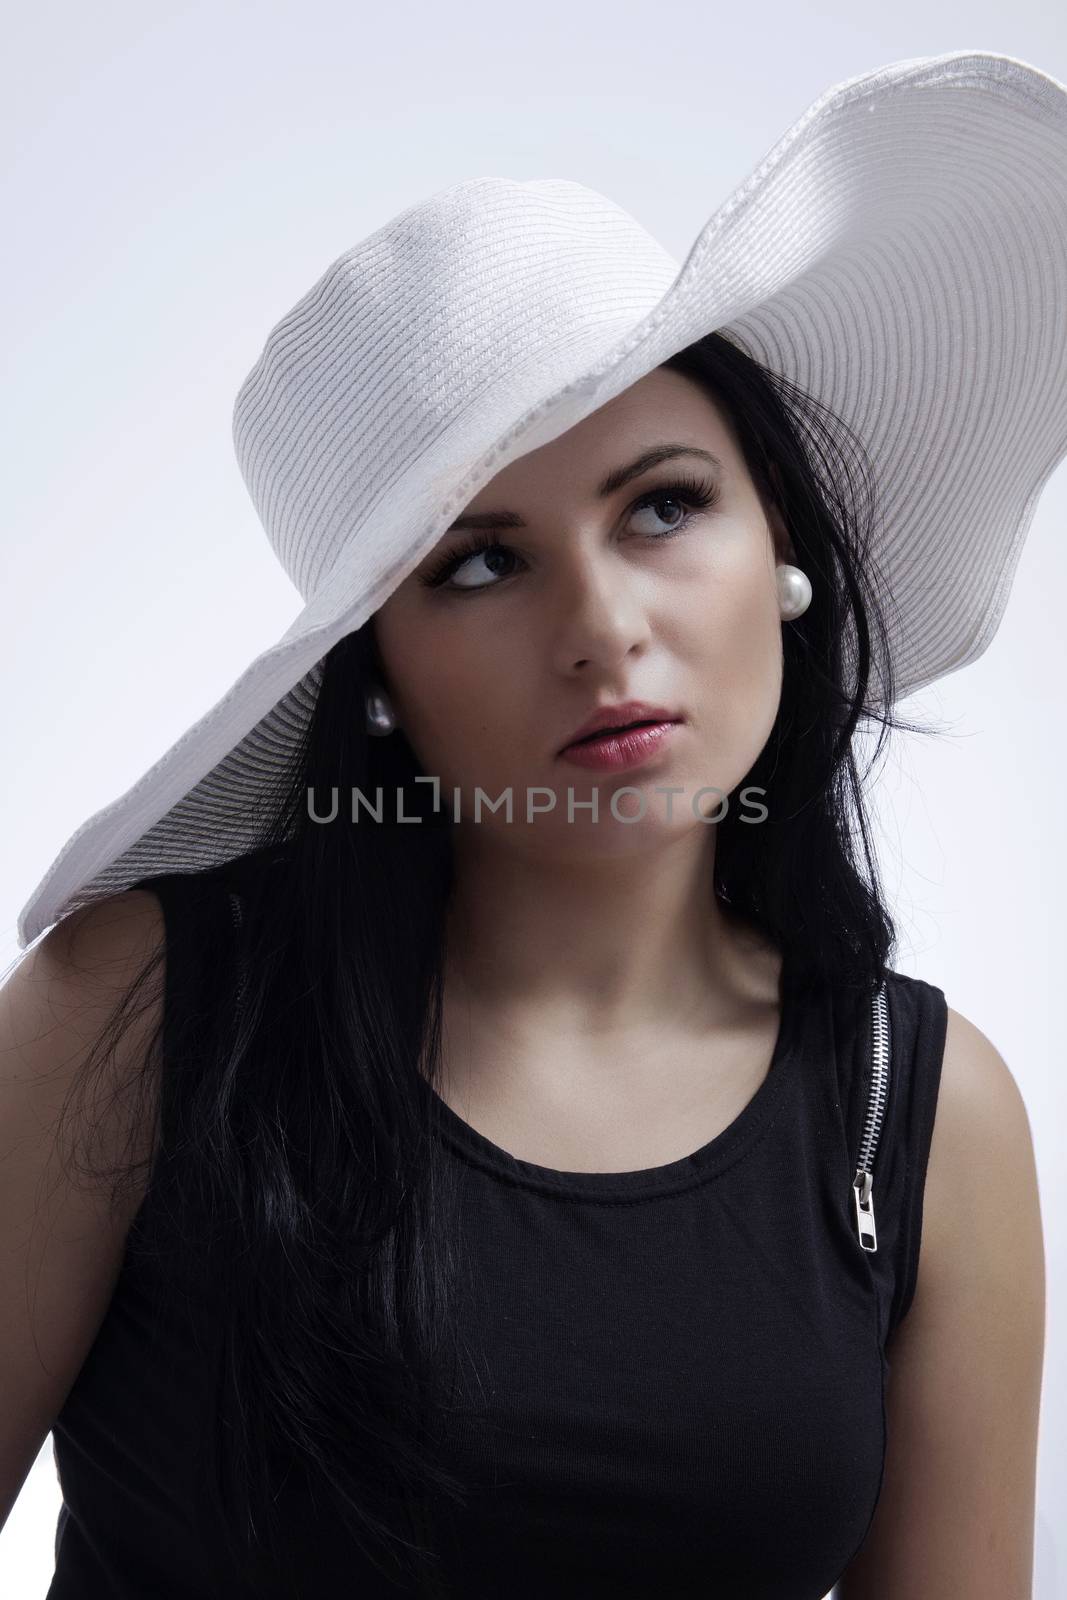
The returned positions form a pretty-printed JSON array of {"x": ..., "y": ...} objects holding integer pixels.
[
  {"x": 491, "y": 556},
  {"x": 460, "y": 563}
]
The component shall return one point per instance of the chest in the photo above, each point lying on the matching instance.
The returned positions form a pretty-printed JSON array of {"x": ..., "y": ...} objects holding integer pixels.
[
  {"x": 579, "y": 1107},
  {"x": 671, "y": 1388}
]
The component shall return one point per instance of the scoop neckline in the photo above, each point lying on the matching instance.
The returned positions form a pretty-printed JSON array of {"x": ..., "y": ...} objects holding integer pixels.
[{"x": 711, "y": 1159}]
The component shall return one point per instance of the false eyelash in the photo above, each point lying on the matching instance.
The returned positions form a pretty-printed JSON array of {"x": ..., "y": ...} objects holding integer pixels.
[{"x": 697, "y": 493}]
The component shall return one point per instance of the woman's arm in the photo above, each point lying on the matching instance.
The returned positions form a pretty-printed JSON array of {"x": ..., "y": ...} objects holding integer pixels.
[
  {"x": 955, "y": 1520},
  {"x": 61, "y": 1244}
]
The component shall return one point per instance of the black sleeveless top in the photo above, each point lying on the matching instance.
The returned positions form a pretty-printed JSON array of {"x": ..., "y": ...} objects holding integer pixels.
[{"x": 675, "y": 1379}]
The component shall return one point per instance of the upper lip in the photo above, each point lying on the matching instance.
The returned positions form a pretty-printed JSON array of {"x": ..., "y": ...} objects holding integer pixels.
[{"x": 620, "y": 716}]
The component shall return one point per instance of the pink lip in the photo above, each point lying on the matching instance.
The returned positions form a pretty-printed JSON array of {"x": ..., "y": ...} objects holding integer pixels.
[
  {"x": 614, "y": 752},
  {"x": 621, "y": 715}
]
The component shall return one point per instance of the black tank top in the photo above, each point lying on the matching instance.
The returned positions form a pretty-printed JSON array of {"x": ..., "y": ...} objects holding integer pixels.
[{"x": 675, "y": 1377}]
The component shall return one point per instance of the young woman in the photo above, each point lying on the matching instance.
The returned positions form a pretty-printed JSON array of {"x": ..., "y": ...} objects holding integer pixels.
[{"x": 526, "y": 1172}]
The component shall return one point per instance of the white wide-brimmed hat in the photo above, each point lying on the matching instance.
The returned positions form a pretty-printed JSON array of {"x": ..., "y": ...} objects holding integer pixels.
[{"x": 900, "y": 254}]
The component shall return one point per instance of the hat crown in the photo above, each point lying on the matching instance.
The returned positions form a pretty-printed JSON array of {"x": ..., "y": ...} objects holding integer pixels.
[{"x": 423, "y": 322}]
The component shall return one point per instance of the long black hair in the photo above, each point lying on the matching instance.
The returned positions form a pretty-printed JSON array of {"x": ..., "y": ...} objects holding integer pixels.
[{"x": 296, "y": 1121}]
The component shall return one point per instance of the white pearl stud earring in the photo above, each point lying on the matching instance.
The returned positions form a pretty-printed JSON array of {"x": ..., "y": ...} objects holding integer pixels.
[
  {"x": 381, "y": 718},
  {"x": 794, "y": 591}
]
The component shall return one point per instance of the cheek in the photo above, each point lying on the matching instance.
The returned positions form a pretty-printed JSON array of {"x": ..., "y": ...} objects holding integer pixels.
[
  {"x": 456, "y": 703},
  {"x": 742, "y": 668}
]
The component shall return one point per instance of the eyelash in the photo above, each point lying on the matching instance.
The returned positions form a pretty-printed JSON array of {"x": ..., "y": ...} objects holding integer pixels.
[{"x": 698, "y": 494}]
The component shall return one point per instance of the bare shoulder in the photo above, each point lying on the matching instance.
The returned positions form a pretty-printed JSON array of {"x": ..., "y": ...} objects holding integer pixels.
[
  {"x": 61, "y": 1006},
  {"x": 956, "y": 1512},
  {"x": 978, "y": 1088},
  {"x": 981, "y": 1166},
  {"x": 67, "y": 987},
  {"x": 105, "y": 937},
  {"x": 67, "y": 991}
]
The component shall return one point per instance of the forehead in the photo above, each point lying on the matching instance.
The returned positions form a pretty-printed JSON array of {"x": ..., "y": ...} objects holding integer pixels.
[{"x": 663, "y": 408}]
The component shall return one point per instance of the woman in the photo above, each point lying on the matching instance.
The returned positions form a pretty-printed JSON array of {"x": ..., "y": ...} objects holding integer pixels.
[{"x": 495, "y": 1108}]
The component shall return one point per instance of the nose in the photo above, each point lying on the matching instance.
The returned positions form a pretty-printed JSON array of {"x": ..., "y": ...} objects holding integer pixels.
[{"x": 600, "y": 614}]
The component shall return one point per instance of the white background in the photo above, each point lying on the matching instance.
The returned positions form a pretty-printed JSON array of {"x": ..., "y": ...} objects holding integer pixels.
[{"x": 175, "y": 177}]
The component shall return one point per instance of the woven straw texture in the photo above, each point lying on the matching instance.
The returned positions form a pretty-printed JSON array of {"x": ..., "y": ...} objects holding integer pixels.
[{"x": 900, "y": 253}]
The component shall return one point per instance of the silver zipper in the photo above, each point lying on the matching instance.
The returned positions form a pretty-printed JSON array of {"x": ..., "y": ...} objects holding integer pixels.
[{"x": 863, "y": 1182}]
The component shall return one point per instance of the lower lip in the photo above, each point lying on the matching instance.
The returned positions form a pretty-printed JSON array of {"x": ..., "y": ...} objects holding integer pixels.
[{"x": 616, "y": 751}]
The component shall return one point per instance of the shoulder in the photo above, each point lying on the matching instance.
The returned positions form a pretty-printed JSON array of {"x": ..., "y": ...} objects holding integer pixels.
[
  {"x": 62, "y": 1238},
  {"x": 64, "y": 1008},
  {"x": 975, "y": 1077},
  {"x": 88, "y": 994},
  {"x": 976, "y": 1202},
  {"x": 981, "y": 1162},
  {"x": 965, "y": 1363},
  {"x": 980, "y": 1195},
  {"x": 978, "y": 1102},
  {"x": 70, "y": 984},
  {"x": 89, "y": 960},
  {"x": 981, "y": 1261},
  {"x": 129, "y": 924}
]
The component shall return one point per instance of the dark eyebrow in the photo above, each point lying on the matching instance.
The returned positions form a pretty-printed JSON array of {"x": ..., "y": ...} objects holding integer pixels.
[{"x": 614, "y": 481}]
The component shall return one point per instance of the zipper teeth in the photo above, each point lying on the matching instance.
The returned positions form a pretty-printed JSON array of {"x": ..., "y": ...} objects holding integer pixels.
[
  {"x": 880, "y": 1088},
  {"x": 237, "y": 916}
]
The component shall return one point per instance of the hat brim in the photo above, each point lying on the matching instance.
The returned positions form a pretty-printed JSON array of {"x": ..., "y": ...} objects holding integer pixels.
[{"x": 901, "y": 255}]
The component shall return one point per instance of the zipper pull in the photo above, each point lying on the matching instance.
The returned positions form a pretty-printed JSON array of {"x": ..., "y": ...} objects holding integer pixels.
[{"x": 862, "y": 1186}]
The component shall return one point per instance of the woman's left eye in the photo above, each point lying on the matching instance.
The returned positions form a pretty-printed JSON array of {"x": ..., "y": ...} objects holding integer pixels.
[{"x": 697, "y": 496}]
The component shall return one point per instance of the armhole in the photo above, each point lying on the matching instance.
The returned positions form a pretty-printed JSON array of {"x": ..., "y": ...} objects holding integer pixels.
[{"x": 919, "y": 1020}]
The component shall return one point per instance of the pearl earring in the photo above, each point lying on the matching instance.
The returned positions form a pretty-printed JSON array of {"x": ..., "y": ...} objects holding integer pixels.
[
  {"x": 381, "y": 718},
  {"x": 794, "y": 591}
]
